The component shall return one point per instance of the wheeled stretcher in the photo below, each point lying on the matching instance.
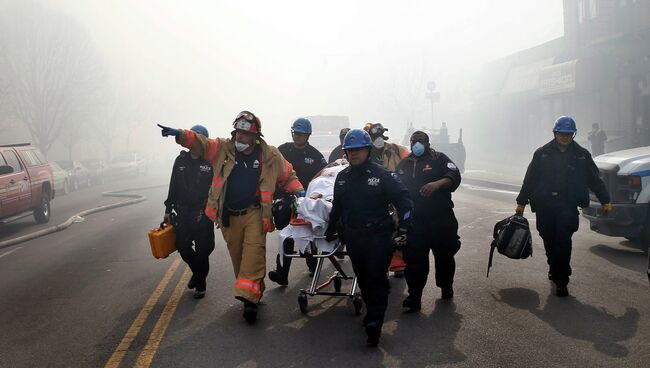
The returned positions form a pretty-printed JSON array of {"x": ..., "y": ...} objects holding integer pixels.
[{"x": 306, "y": 230}]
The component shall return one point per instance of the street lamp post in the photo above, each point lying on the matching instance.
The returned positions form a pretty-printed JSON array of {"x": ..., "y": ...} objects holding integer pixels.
[{"x": 433, "y": 96}]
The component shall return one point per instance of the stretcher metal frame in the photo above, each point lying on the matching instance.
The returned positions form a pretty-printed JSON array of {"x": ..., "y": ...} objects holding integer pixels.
[{"x": 336, "y": 279}]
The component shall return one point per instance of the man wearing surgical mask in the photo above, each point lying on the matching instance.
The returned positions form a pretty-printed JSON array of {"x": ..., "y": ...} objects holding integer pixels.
[
  {"x": 246, "y": 171},
  {"x": 430, "y": 178},
  {"x": 387, "y": 155}
]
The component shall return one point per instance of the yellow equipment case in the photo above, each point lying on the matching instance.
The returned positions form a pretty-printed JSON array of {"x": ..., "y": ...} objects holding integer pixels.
[{"x": 162, "y": 240}]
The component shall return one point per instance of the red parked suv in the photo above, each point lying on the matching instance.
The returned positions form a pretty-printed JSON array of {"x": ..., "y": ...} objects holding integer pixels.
[{"x": 26, "y": 183}]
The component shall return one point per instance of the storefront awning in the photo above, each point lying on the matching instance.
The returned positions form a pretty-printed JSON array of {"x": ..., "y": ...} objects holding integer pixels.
[
  {"x": 525, "y": 78},
  {"x": 559, "y": 78}
]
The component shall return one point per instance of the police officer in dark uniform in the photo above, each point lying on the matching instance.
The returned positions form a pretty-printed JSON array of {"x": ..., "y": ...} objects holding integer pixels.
[
  {"x": 307, "y": 161},
  {"x": 558, "y": 181},
  {"x": 188, "y": 194},
  {"x": 430, "y": 178},
  {"x": 363, "y": 193}
]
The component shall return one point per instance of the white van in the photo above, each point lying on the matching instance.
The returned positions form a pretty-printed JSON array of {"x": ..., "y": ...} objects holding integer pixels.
[{"x": 627, "y": 176}]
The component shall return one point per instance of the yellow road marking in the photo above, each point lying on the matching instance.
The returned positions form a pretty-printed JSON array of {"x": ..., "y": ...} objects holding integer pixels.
[
  {"x": 133, "y": 331},
  {"x": 148, "y": 352}
]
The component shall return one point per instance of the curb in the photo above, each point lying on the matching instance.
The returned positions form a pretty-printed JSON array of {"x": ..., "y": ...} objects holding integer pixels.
[
  {"x": 137, "y": 198},
  {"x": 492, "y": 184}
]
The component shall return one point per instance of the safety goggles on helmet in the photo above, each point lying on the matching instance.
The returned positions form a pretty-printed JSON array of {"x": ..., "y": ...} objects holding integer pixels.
[
  {"x": 247, "y": 122},
  {"x": 377, "y": 129}
]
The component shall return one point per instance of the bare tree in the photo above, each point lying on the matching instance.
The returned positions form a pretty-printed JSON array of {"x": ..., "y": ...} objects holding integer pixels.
[{"x": 49, "y": 70}]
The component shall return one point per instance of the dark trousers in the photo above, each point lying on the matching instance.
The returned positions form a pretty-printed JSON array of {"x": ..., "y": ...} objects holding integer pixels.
[
  {"x": 437, "y": 235},
  {"x": 286, "y": 262},
  {"x": 196, "y": 230},
  {"x": 556, "y": 226},
  {"x": 370, "y": 253}
]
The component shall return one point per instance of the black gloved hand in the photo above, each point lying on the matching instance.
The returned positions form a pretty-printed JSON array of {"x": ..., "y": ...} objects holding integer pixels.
[
  {"x": 400, "y": 238},
  {"x": 331, "y": 234}
]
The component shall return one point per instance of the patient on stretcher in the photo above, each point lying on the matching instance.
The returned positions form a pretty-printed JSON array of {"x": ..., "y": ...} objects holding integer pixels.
[{"x": 314, "y": 210}]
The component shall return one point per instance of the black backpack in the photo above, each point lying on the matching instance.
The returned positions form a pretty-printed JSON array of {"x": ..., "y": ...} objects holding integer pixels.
[
  {"x": 512, "y": 238},
  {"x": 282, "y": 210}
]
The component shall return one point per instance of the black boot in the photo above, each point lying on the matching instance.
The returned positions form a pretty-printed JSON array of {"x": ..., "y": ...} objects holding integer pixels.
[
  {"x": 373, "y": 331},
  {"x": 250, "y": 310},
  {"x": 281, "y": 274},
  {"x": 447, "y": 292},
  {"x": 412, "y": 303},
  {"x": 192, "y": 283},
  {"x": 561, "y": 290},
  {"x": 311, "y": 264}
]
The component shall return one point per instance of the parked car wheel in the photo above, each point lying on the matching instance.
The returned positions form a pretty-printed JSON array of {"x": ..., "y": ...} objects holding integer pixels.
[{"x": 42, "y": 212}]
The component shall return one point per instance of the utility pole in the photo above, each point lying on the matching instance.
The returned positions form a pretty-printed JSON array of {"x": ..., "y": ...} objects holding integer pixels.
[{"x": 433, "y": 96}]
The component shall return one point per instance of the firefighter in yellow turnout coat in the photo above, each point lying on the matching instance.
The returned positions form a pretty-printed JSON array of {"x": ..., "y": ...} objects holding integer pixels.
[{"x": 246, "y": 173}]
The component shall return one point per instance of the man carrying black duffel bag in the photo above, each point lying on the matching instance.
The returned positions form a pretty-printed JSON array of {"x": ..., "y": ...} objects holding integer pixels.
[{"x": 558, "y": 181}]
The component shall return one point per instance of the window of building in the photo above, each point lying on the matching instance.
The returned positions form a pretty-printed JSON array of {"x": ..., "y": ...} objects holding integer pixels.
[{"x": 12, "y": 160}]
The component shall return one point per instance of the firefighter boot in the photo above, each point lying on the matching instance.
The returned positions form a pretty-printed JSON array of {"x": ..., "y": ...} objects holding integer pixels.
[{"x": 250, "y": 310}]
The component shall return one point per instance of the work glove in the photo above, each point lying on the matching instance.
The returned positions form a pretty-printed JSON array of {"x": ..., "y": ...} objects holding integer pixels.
[
  {"x": 330, "y": 234},
  {"x": 520, "y": 209},
  {"x": 167, "y": 131},
  {"x": 400, "y": 239},
  {"x": 607, "y": 208}
]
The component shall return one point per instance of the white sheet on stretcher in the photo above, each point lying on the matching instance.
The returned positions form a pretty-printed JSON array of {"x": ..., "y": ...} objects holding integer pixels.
[{"x": 315, "y": 208}]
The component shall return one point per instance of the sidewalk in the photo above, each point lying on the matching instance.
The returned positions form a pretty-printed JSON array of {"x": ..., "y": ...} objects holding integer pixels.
[{"x": 506, "y": 176}]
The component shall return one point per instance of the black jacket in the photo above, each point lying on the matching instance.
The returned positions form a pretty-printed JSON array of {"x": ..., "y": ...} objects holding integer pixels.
[
  {"x": 362, "y": 196},
  {"x": 336, "y": 153},
  {"x": 189, "y": 184},
  {"x": 561, "y": 178},
  {"x": 431, "y": 166},
  {"x": 307, "y": 162}
]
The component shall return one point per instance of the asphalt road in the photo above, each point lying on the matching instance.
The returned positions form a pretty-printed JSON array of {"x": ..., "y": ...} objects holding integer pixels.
[{"x": 93, "y": 295}]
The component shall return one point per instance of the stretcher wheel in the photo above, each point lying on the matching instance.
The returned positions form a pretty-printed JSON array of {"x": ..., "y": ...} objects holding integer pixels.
[
  {"x": 399, "y": 274},
  {"x": 302, "y": 303},
  {"x": 358, "y": 304},
  {"x": 337, "y": 284}
]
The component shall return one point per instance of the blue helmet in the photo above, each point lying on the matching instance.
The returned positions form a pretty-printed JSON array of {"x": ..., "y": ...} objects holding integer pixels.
[
  {"x": 301, "y": 125},
  {"x": 564, "y": 124},
  {"x": 356, "y": 138},
  {"x": 198, "y": 128}
]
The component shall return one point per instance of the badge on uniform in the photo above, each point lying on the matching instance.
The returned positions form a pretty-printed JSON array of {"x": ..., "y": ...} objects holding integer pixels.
[
  {"x": 309, "y": 160},
  {"x": 373, "y": 182},
  {"x": 204, "y": 168},
  {"x": 256, "y": 164},
  {"x": 427, "y": 167},
  {"x": 451, "y": 166}
]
